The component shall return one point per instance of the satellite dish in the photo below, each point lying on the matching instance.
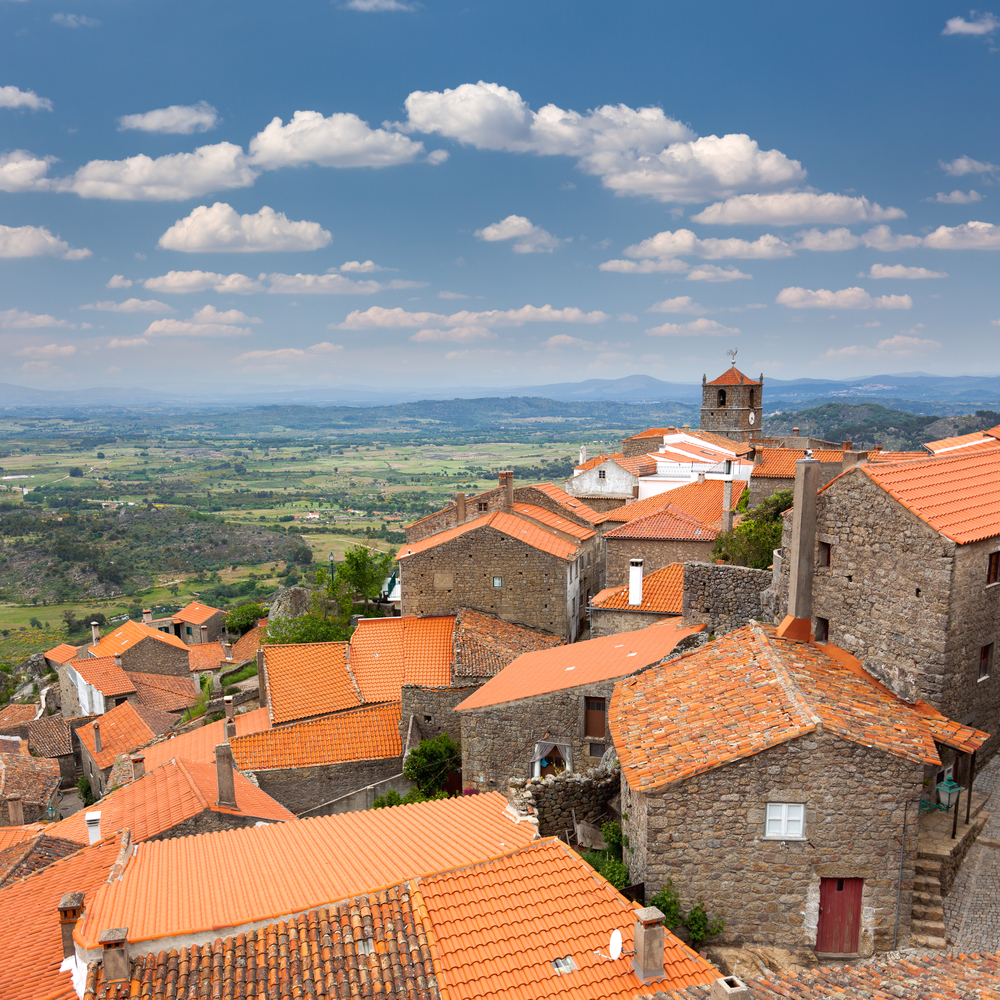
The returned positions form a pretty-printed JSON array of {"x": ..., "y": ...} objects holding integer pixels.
[{"x": 615, "y": 945}]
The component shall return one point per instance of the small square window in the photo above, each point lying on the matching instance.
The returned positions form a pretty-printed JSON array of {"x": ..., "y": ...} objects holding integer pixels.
[
  {"x": 564, "y": 966},
  {"x": 993, "y": 568},
  {"x": 823, "y": 555},
  {"x": 498, "y": 581},
  {"x": 597, "y": 749},
  {"x": 785, "y": 821},
  {"x": 985, "y": 661},
  {"x": 482, "y": 505},
  {"x": 187, "y": 630},
  {"x": 602, "y": 474}
]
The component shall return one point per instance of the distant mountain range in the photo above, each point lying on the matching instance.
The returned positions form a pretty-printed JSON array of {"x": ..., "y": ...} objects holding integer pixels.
[{"x": 920, "y": 390}]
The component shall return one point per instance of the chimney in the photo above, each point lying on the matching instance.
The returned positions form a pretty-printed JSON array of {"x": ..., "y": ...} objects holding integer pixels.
[
  {"x": 261, "y": 679},
  {"x": 647, "y": 958},
  {"x": 635, "y": 492},
  {"x": 798, "y": 621},
  {"x": 701, "y": 477},
  {"x": 138, "y": 766},
  {"x": 95, "y": 632},
  {"x": 727, "y": 504},
  {"x": 224, "y": 776},
  {"x": 230, "y": 730},
  {"x": 97, "y": 737},
  {"x": 686, "y": 428},
  {"x": 460, "y": 504},
  {"x": 795, "y": 432},
  {"x": 93, "y": 826},
  {"x": 70, "y": 911},
  {"x": 118, "y": 659},
  {"x": 846, "y": 445},
  {"x": 203, "y": 634},
  {"x": 15, "y": 810},
  {"x": 583, "y": 453},
  {"x": 230, "y": 707},
  {"x": 115, "y": 942},
  {"x": 507, "y": 485},
  {"x": 729, "y": 986},
  {"x": 227, "y": 650},
  {"x": 147, "y": 615},
  {"x": 635, "y": 582}
]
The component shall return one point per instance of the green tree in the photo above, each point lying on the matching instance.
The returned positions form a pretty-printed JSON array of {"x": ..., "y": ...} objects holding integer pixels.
[
  {"x": 34, "y": 623},
  {"x": 365, "y": 571},
  {"x": 76, "y": 472},
  {"x": 306, "y": 628},
  {"x": 753, "y": 541},
  {"x": 240, "y": 620},
  {"x": 174, "y": 589},
  {"x": 430, "y": 762}
]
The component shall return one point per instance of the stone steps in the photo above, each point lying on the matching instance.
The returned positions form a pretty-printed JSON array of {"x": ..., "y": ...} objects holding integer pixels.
[
  {"x": 928, "y": 941},
  {"x": 928, "y": 895},
  {"x": 928, "y": 928},
  {"x": 924, "y": 912},
  {"x": 927, "y": 884},
  {"x": 927, "y": 866}
]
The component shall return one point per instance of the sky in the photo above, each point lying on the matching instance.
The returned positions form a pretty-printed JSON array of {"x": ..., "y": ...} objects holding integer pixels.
[{"x": 430, "y": 193}]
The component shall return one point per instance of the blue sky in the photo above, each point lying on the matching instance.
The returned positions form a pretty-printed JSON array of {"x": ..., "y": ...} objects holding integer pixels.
[{"x": 434, "y": 193}]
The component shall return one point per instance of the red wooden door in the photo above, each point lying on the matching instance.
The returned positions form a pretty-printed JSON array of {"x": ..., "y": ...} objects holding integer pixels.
[{"x": 839, "y": 915}]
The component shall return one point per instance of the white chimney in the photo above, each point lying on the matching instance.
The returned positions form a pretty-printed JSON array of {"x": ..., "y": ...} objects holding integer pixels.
[
  {"x": 701, "y": 477},
  {"x": 95, "y": 632},
  {"x": 93, "y": 826},
  {"x": 635, "y": 582},
  {"x": 583, "y": 453},
  {"x": 729, "y": 986},
  {"x": 97, "y": 737},
  {"x": 147, "y": 615},
  {"x": 227, "y": 649},
  {"x": 118, "y": 659}
]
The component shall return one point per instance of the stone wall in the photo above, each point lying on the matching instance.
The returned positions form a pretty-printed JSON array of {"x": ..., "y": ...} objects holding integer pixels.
[
  {"x": 726, "y": 597},
  {"x": 655, "y": 553},
  {"x": 433, "y": 710},
  {"x": 69, "y": 699},
  {"x": 611, "y": 621},
  {"x": 153, "y": 656},
  {"x": 361, "y": 798},
  {"x": 762, "y": 487},
  {"x": 207, "y": 821},
  {"x": 601, "y": 503},
  {"x": 707, "y": 835},
  {"x": 551, "y": 801}
]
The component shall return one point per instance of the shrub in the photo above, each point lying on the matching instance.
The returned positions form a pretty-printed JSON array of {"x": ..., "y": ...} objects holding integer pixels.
[
  {"x": 83, "y": 785},
  {"x": 596, "y": 859},
  {"x": 431, "y": 761},
  {"x": 614, "y": 838},
  {"x": 393, "y": 798},
  {"x": 616, "y": 873},
  {"x": 699, "y": 927},
  {"x": 668, "y": 902}
]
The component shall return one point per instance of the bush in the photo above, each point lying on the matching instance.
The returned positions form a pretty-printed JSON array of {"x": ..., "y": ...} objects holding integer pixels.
[
  {"x": 83, "y": 785},
  {"x": 614, "y": 838},
  {"x": 668, "y": 902},
  {"x": 616, "y": 873},
  {"x": 753, "y": 541},
  {"x": 699, "y": 927},
  {"x": 393, "y": 798},
  {"x": 431, "y": 761},
  {"x": 76, "y": 472},
  {"x": 596, "y": 859},
  {"x": 305, "y": 628},
  {"x": 240, "y": 620}
]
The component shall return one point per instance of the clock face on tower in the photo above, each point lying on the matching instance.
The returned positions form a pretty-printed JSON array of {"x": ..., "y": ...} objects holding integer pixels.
[{"x": 752, "y": 416}]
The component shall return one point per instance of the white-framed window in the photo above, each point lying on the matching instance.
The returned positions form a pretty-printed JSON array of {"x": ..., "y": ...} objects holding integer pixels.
[
  {"x": 498, "y": 581},
  {"x": 785, "y": 821}
]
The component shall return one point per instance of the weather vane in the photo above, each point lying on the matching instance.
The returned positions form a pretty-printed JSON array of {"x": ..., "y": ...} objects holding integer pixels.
[{"x": 732, "y": 354}]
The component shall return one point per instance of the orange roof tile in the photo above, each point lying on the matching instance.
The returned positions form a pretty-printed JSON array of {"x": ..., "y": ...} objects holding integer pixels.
[
  {"x": 779, "y": 463},
  {"x": 498, "y": 927},
  {"x": 104, "y": 675},
  {"x": 331, "y": 858},
  {"x": 197, "y": 614},
  {"x": 897, "y": 456},
  {"x": 554, "y": 520},
  {"x": 387, "y": 653},
  {"x": 485, "y": 644},
  {"x": 593, "y": 463},
  {"x": 200, "y": 744},
  {"x": 368, "y": 733},
  {"x": 11, "y": 835},
  {"x": 16, "y": 715},
  {"x": 127, "y": 636},
  {"x": 24, "y": 859},
  {"x": 61, "y": 653},
  {"x": 718, "y": 441},
  {"x": 702, "y": 501},
  {"x": 652, "y": 432},
  {"x": 689, "y": 452},
  {"x": 308, "y": 679},
  {"x": 662, "y": 593},
  {"x": 564, "y": 499},
  {"x": 748, "y": 691},
  {"x": 733, "y": 376},
  {"x": 166, "y": 796},
  {"x": 961, "y": 443},
  {"x": 638, "y": 465},
  {"x": 667, "y": 524},
  {"x": 247, "y": 645},
  {"x": 584, "y": 662},
  {"x": 29, "y": 919},
  {"x": 123, "y": 729},
  {"x": 166, "y": 692},
  {"x": 35, "y": 779},
  {"x": 205, "y": 656}
]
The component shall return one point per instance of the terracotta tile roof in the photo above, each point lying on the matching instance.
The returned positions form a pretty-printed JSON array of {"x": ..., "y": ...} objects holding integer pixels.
[
  {"x": 593, "y": 463},
  {"x": 498, "y": 927},
  {"x": 956, "y": 494},
  {"x": 333, "y": 857},
  {"x": 320, "y": 954},
  {"x": 205, "y": 656},
  {"x": 247, "y": 645},
  {"x": 484, "y": 644},
  {"x": 387, "y": 653},
  {"x": 897, "y": 456},
  {"x": 368, "y": 733},
  {"x": 571, "y": 503},
  {"x": 30, "y": 856},
  {"x": 584, "y": 662},
  {"x": 10, "y": 835},
  {"x": 508, "y": 524},
  {"x": 962, "y": 442},
  {"x": 718, "y": 441},
  {"x": 689, "y": 452},
  {"x": 35, "y": 779},
  {"x": 652, "y": 432},
  {"x": 733, "y": 376},
  {"x": 748, "y": 691},
  {"x": 125, "y": 728},
  {"x": 127, "y": 636},
  {"x": 779, "y": 463},
  {"x": 105, "y": 675},
  {"x": 61, "y": 653},
  {"x": 200, "y": 743},
  {"x": 196, "y": 614},
  {"x": 49, "y": 736},
  {"x": 12, "y": 716},
  {"x": 662, "y": 593},
  {"x": 667, "y": 524},
  {"x": 167, "y": 796},
  {"x": 638, "y": 465},
  {"x": 166, "y": 692},
  {"x": 29, "y": 917},
  {"x": 702, "y": 501},
  {"x": 554, "y": 520},
  {"x": 308, "y": 679}
]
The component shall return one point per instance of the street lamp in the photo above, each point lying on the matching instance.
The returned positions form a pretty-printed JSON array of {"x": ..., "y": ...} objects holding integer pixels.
[{"x": 948, "y": 792}]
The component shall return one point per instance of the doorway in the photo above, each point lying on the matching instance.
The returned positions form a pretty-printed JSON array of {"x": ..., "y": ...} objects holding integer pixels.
[
  {"x": 552, "y": 763},
  {"x": 839, "y": 916}
]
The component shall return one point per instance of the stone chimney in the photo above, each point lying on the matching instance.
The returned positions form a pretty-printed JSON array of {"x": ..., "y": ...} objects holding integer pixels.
[
  {"x": 147, "y": 615},
  {"x": 70, "y": 911},
  {"x": 93, "y": 826},
  {"x": 95, "y": 632},
  {"x": 729, "y": 986},
  {"x": 507, "y": 485},
  {"x": 224, "y": 776},
  {"x": 635, "y": 582},
  {"x": 727, "y": 504},
  {"x": 686, "y": 428},
  {"x": 795, "y": 432},
  {"x": 97, "y": 737},
  {"x": 701, "y": 477},
  {"x": 647, "y": 958},
  {"x": 261, "y": 679},
  {"x": 460, "y": 505},
  {"x": 138, "y": 766},
  {"x": 115, "y": 942},
  {"x": 203, "y": 634},
  {"x": 15, "y": 810},
  {"x": 230, "y": 707},
  {"x": 118, "y": 659},
  {"x": 227, "y": 651},
  {"x": 230, "y": 730},
  {"x": 798, "y": 622}
]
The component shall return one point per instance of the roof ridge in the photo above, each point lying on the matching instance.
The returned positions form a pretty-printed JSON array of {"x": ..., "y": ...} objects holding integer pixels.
[
  {"x": 350, "y": 672},
  {"x": 189, "y": 778},
  {"x": 788, "y": 683}
]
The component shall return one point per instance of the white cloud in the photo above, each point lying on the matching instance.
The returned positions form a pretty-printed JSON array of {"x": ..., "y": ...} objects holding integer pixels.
[
  {"x": 966, "y": 165},
  {"x": 561, "y": 340},
  {"x": 47, "y": 351},
  {"x": 376, "y": 6},
  {"x": 130, "y": 306},
  {"x": 398, "y": 318},
  {"x": 209, "y": 314},
  {"x": 185, "y": 282},
  {"x": 669, "y": 265},
  {"x": 634, "y": 151},
  {"x": 282, "y": 357},
  {"x": 115, "y": 343},
  {"x": 35, "y": 241},
  {"x": 16, "y": 319},
  {"x": 900, "y": 346},
  {"x": 529, "y": 238},
  {"x": 362, "y": 267},
  {"x": 956, "y": 198},
  {"x": 970, "y": 236},
  {"x": 794, "y": 208},
  {"x": 882, "y": 238},
  {"x": 221, "y": 229},
  {"x": 12, "y": 97},
  {"x": 23, "y": 171},
  {"x": 680, "y": 304},
  {"x": 982, "y": 24},
  {"x": 696, "y": 328},
  {"x": 178, "y": 119},
  {"x": 202, "y": 324},
  {"x": 74, "y": 21},
  {"x": 901, "y": 271},
  {"x": 342, "y": 140},
  {"x": 459, "y": 334},
  {"x": 175, "y": 177},
  {"x": 830, "y": 240},
  {"x": 451, "y": 295},
  {"x": 331, "y": 284},
  {"x": 846, "y": 298},
  {"x": 709, "y": 272},
  {"x": 683, "y": 242},
  {"x": 119, "y": 281}
]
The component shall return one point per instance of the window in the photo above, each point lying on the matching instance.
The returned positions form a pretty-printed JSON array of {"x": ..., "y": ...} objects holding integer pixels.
[
  {"x": 594, "y": 722},
  {"x": 822, "y": 629},
  {"x": 564, "y": 966},
  {"x": 187, "y": 630},
  {"x": 985, "y": 661},
  {"x": 602, "y": 474},
  {"x": 823, "y": 554},
  {"x": 785, "y": 821},
  {"x": 722, "y": 397},
  {"x": 498, "y": 581},
  {"x": 993, "y": 568},
  {"x": 597, "y": 749},
  {"x": 482, "y": 505}
]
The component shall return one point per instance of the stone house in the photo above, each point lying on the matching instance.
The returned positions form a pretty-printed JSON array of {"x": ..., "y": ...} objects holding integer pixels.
[
  {"x": 193, "y": 624},
  {"x": 29, "y": 786},
  {"x": 140, "y": 648},
  {"x": 643, "y": 601},
  {"x": 900, "y": 566},
  {"x": 14, "y": 716},
  {"x": 51, "y": 737},
  {"x": 608, "y": 481},
  {"x": 774, "y": 468},
  {"x": 776, "y": 780},
  {"x": 547, "y": 711},
  {"x": 58, "y": 655},
  {"x": 95, "y": 686}
]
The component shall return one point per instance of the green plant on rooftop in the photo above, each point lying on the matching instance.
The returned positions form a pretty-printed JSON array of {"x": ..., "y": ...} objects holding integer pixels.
[
  {"x": 306, "y": 628},
  {"x": 753, "y": 541},
  {"x": 430, "y": 762}
]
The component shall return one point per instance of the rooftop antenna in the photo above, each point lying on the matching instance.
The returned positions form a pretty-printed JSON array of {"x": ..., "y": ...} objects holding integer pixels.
[
  {"x": 732, "y": 354},
  {"x": 614, "y": 947}
]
